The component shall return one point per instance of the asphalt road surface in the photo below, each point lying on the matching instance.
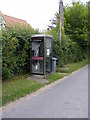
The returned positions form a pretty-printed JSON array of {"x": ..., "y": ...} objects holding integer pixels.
[{"x": 67, "y": 99}]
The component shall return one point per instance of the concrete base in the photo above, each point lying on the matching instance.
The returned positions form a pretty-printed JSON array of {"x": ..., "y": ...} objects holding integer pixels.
[
  {"x": 62, "y": 73},
  {"x": 38, "y": 78}
]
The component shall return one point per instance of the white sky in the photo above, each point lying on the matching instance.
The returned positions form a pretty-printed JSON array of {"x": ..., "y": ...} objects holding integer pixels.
[{"x": 36, "y": 12}]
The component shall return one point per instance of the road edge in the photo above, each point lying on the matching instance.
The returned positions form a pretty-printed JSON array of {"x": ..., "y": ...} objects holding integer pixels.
[{"x": 42, "y": 89}]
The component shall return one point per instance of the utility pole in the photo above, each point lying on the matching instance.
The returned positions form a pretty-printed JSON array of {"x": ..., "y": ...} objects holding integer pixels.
[
  {"x": 61, "y": 23},
  {"x": 60, "y": 19}
]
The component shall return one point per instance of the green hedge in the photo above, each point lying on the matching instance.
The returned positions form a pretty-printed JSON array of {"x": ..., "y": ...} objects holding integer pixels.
[
  {"x": 16, "y": 51},
  {"x": 70, "y": 51}
]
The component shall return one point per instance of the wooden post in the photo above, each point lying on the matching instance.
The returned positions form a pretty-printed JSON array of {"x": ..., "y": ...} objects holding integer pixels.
[{"x": 60, "y": 28}]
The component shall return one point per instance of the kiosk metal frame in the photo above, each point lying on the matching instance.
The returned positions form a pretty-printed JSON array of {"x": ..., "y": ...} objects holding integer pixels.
[{"x": 41, "y": 54}]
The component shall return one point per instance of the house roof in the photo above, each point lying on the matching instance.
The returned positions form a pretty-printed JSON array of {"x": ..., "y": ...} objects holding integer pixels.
[
  {"x": 0, "y": 13},
  {"x": 12, "y": 21}
]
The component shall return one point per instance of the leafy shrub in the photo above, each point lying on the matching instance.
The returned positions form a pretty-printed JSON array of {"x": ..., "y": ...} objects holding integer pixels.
[
  {"x": 75, "y": 41},
  {"x": 16, "y": 51},
  {"x": 69, "y": 51}
]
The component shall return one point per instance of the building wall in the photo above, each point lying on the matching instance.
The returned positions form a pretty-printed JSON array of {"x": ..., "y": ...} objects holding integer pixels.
[{"x": 2, "y": 21}]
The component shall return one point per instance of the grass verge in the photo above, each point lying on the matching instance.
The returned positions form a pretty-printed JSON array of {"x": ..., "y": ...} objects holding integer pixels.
[
  {"x": 20, "y": 86},
  {"x": 69, "y": 68},
  {"x": 75, "y": 66},
  {"x": 54, "y": 76}
]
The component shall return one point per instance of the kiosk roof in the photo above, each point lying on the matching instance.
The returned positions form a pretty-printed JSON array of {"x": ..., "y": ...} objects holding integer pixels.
[{"x": 41, "y": 35}]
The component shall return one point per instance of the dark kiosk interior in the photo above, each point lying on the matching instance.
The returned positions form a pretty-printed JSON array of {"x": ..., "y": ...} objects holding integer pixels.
[{"x": 41, "y": 54}]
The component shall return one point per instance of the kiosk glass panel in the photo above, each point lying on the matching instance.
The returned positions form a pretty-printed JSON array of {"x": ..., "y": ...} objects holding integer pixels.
[
  {"x": 48, "y": 55},
  {"x": 37, "y": 56}
]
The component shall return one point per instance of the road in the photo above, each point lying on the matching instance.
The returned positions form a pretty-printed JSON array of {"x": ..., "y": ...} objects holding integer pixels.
[{"x": 67, "y": 99}]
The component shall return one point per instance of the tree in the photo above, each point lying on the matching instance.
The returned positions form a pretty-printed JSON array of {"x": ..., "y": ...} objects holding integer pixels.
[
  {"x": 74, "y": 34},
  {"x": 76, "y": 23}
]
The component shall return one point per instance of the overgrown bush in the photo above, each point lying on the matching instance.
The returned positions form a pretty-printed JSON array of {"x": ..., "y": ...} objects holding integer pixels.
[
  {"x": 75, "y": 41},
  {"x": 70, "y": 51},
  {"x": 16, "y": 51}
]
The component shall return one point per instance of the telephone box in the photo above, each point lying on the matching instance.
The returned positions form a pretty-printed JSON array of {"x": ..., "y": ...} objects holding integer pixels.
[{"x": 41, "y": 54}]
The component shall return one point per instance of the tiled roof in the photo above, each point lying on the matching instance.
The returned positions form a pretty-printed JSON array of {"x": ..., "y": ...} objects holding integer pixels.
[
  {"x": 0, "y": 13},
  {"x": 11, "y": 21}
]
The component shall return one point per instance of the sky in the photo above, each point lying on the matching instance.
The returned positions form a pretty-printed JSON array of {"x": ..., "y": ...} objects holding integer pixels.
[{"x": 36, "y": 12}]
